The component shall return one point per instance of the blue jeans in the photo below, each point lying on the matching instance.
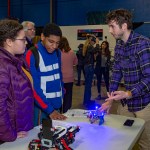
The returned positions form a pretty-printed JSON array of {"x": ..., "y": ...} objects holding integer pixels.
[
  {"x": 89, "y": 73},
  {"x": 79, "y": 69},
  {"x": 105, "y": 72},
  {"x": 39, "y": 115}
]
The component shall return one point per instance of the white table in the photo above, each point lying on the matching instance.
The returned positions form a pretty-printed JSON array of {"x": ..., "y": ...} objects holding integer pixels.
[{"x": 112, "y": 135}]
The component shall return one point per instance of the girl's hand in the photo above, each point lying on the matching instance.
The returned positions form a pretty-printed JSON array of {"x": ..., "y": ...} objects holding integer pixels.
[{"x": 22, "y": 134}]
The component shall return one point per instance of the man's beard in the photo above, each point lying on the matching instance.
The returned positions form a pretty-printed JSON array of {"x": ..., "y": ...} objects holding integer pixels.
[{"x": 119, "y": 36}]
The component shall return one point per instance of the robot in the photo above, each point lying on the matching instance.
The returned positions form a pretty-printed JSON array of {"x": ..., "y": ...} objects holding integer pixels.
[
  {"x": 58, "y": 137},
  {"x": 95, "y": 116}
]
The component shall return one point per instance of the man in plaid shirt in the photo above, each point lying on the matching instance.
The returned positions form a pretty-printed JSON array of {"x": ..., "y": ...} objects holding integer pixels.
[{"x": 132, "y": 63}]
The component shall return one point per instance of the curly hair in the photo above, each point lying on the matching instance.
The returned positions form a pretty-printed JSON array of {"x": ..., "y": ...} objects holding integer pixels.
[
  {"x": 64, "y": 44},
  {"x": 52, "y": 29},
  {"x": 9, "y": 30},
  {"x": 121, "y": 16}
]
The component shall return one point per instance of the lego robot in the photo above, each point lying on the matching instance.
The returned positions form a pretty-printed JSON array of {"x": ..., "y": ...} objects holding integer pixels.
[{"x": 58, "y": 137}]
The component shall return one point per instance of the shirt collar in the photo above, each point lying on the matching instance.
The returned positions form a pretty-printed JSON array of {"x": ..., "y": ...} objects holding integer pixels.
[{"x": 129, "y": 41}]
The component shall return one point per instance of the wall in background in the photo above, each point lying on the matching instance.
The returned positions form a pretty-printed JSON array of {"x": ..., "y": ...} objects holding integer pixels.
[
  {"x": 74, "y": 12},
  {"x": 71, "y": 33}
]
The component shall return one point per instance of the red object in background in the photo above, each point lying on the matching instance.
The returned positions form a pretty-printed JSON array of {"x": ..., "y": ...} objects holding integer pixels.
[{"x": 8, "y": 10}]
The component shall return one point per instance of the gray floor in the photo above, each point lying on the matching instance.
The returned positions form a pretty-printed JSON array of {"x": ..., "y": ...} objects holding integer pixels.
[{"x": 78, "y": 92}]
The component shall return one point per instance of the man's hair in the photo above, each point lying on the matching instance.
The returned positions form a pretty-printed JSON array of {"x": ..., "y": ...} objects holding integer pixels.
[
  {"x": 52, "y": 29},
  {"x": 120, "y": 16},
  {"x": 9, "y": 30},
  {"x": 25, "y": 23}
]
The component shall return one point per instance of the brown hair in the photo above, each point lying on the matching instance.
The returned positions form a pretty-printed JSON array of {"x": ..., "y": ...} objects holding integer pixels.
[
  {"x": 64, "y": 44},
  {"x": 107, "y": 51},
  {"x": 9, "y": 30},
  {"x": 121, "y": 16}
]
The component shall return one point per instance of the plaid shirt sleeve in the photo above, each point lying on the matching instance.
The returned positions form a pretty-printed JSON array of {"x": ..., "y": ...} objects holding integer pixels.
[
  {"x": 143, "y": 86},
  {"x": 116, "y": 76}
]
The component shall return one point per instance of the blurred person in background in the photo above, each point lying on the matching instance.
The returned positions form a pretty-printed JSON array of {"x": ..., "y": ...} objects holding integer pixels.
[
  {"x": 88, "y": 52},
  {"x": 102, "y": 67},
  {"x": 80, "y": 66},
  {"x": 68, "y": 61},
  {"x": 29, "y": 28}
]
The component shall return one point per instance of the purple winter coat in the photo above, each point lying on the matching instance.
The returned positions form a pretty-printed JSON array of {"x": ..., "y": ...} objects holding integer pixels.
[{"x": 16, "y": 97}]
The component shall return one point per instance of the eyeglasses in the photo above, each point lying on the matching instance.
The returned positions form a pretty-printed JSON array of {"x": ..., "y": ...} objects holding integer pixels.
[
  {"x": 23, "y": 40},
  {"x": 32, "y": 29}
]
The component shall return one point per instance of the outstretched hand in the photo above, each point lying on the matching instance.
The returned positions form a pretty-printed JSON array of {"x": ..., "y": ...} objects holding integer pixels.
[
  {"x": 106, "y": 107},
  {"x": 107, "y": 104},
  {"x": 117, "y": 95}
]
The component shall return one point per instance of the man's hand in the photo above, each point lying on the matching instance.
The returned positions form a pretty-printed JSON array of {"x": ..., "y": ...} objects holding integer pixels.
[
  {"x": 117, "y": 95},
  {"x": 106, "y": 106},
  {"x": 55, "y": 115},
  {"x": 22, "y": 134}
]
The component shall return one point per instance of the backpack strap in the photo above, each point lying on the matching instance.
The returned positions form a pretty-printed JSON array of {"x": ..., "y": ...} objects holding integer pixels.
[
  {"x": 36, "y": 56},
  {"x": 34, "y": 51}
]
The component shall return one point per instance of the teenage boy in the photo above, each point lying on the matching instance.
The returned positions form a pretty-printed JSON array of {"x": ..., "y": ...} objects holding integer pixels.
[{"x": 47, "y": 77}]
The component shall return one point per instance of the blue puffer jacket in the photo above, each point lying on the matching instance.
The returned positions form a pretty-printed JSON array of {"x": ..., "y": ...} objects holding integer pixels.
[{"x": 16, "y": 97}]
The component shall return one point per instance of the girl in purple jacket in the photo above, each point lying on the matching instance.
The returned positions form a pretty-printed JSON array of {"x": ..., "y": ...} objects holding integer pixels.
[{"x": 16, "y": 97}]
